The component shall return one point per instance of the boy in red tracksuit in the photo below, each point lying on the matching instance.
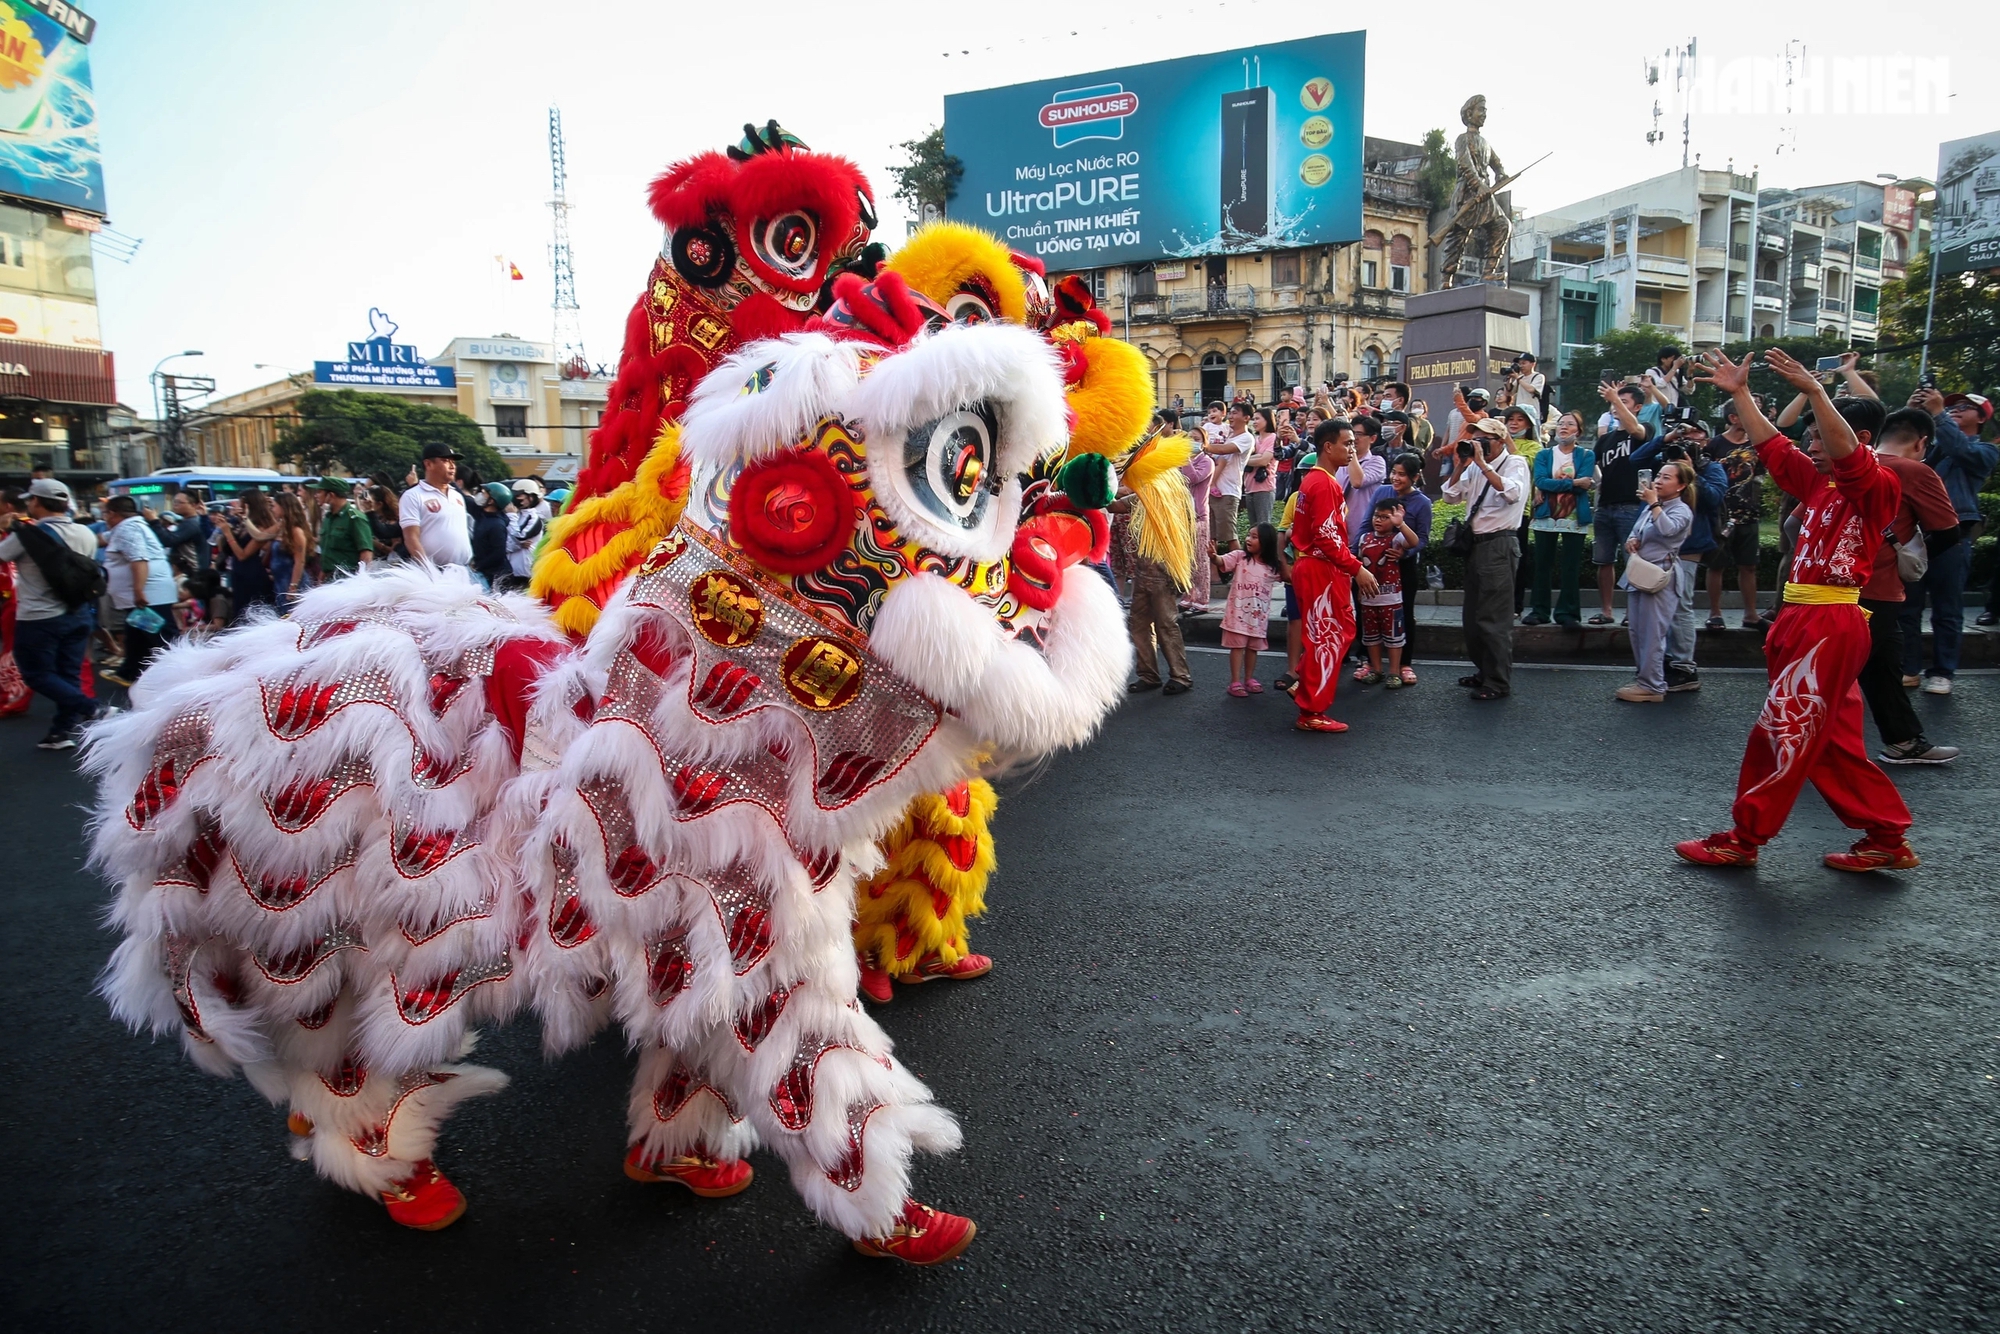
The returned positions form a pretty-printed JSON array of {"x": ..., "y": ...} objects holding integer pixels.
[
  {"x": 1810, "y": 726},
  {"x": 1323, "y": 574}
]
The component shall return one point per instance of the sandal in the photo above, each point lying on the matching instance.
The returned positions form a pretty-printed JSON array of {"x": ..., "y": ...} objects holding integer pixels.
[
  {"x": 1237, "y": 689},
  {"x": 1254, "y": 686},
  {"x": 1369, "y": 678},
  {"x": 1393, "y": 683},
  {"x": 1409, "y": 676},
  {"x": 1715, "y": 623},
  {"x": 1361, "y": 672},
  {"x": 1472, "y": 682},
  {"x": 1486, "y": 693},
  {"x": 1287, "y": 683},
  {"x": 1599, "y": 619}
]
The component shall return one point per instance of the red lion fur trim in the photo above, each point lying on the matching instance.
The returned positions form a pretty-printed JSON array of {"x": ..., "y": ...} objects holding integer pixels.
[
  {"x": 1074, "y": 302},
  {"x": 881, "y": 310},
  {"x": 710, "y": 186}
]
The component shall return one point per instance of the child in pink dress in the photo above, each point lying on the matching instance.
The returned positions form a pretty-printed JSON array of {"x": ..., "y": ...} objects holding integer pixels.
[{"x": 1253, "y": 572}]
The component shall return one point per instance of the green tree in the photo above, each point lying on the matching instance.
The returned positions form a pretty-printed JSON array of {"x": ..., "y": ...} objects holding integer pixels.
[
  {"x": 360, "y": 434},
  {"x": 1968, "y": 315},
  {"x": 928, "y": 174},
  {"x": 1439, "y": 173},
  {"x": 1624, "y": 352}
]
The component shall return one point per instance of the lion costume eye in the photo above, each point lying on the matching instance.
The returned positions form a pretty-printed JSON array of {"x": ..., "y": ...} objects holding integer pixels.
[
  {"x": 949, "y": 463},
  {"x": 968, "y": 308},
  {"x": 789, "y": 243}
]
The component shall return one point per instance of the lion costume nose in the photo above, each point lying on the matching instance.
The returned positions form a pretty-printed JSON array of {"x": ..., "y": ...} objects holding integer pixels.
[{"x": 1044, "y": 547}]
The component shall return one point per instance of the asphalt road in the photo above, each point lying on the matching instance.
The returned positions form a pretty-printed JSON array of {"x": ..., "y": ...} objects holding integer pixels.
[{"x": 1420, "y": 1028}]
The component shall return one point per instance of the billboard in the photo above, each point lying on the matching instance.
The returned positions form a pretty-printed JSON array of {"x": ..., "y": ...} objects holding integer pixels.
[
  {"x": 1254, "y": 149},
  {"x": 48, "y": 113},
  {"x": 378, "y": 361},
  {"x": 1965, "y": 226}
]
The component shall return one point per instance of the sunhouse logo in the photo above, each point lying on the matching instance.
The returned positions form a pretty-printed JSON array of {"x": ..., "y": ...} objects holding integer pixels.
[{"x": 1089, "y": 113}]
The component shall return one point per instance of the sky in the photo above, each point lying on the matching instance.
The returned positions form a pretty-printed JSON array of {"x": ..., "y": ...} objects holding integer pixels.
[{"x": 289, "y": 166}]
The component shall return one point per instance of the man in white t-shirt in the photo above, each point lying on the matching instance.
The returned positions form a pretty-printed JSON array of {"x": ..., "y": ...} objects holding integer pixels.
[
  {"x": 1231, "y": 449},
  {"x": 432, "y": 512}
]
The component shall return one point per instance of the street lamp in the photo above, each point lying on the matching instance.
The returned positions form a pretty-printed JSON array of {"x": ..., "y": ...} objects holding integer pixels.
[{"x": 171, "y": 445}]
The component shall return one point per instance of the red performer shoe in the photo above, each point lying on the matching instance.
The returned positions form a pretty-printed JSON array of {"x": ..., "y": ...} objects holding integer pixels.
[
  {"x": 874, "y": 982},
  {"x": 930, "y": 968},
  {"x": 710, "y": 1178},
  {"x": 922, "y": 1236},
  {"x": 1318, "y": 722},
  {"x": 424, "y": 1200},
  {"x": 1872, "y": 855},
  {"x": 1723, "y": 849}
]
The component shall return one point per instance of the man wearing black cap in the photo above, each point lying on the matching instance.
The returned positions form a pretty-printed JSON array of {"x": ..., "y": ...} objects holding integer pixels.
[{"x": 432, "y": 513}]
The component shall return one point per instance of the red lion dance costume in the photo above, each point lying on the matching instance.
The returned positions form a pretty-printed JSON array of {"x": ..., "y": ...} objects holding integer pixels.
[{"x": 343, "y": 840}]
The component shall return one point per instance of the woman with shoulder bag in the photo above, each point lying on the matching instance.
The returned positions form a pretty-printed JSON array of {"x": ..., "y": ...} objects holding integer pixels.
[
  {"x": 1651, "y": 596},
  {"x": 1564, "y": 474}
]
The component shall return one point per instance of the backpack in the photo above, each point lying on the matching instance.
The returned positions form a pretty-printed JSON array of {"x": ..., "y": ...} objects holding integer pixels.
[{"x": 78, "y": 581}]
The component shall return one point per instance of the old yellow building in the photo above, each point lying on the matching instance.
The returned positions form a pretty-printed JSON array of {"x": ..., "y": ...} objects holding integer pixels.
[
  {"x": 538, "y": 419},
  {"x": 1258, "y": 324}
]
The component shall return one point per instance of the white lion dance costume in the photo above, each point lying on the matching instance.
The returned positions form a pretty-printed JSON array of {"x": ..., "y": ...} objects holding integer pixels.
[{"x": 343, "y": 840}]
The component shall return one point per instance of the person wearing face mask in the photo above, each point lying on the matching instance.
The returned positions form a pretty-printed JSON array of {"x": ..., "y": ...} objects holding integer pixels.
[{"x": 1564, "y": 475}]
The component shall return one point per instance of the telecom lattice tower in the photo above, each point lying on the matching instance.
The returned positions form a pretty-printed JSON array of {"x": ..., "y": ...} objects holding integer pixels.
[{"x": 568, "y": 322}]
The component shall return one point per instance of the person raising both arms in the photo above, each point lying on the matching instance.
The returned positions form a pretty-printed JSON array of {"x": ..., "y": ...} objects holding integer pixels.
[{"x": 1810, "y": 726}]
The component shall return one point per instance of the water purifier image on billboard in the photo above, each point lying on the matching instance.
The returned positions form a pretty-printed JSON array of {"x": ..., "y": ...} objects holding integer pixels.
[
  {"x": 48, "y": 110},
  {"x": 1254, "y": 149}
]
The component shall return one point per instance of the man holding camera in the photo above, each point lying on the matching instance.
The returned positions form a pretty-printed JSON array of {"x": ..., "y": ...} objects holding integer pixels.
[
  {"x": 50, "y": 635},
  {"x": 1492, "y": 482},
  {"x": 1962, "y": 462},
  {"x": 1617, "y": 501}
]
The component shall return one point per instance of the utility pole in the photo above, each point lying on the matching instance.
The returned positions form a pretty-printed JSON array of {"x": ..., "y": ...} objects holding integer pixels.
[
  {"x": 170, "y": 395},
  {"x": 570, "y": 361}
]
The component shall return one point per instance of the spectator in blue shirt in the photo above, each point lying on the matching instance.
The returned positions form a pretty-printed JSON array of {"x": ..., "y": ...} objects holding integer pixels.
[
  {"x": 1962, "y": 462},
  {"x": 185, "y": 533}
]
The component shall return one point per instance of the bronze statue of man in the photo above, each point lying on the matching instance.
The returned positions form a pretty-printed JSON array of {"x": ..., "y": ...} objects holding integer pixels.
[{"x": 1475, "y": 209}]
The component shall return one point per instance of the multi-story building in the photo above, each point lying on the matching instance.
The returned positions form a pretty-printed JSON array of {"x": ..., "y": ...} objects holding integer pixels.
[
  {"x": 1825, "y": 251},
  {"x": 1673, "y": 251},
  {"x": 538, "y": 419},
  {"x": 1259, "y": 323},
  {"x": 57, "y": 383}
]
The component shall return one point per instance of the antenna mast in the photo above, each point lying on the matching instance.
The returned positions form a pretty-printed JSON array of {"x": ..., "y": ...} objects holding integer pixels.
[{"x": 568, "y": 322}]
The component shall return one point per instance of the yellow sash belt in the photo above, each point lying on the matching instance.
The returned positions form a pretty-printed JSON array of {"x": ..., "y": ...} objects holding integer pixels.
[{"x": 1823, "y": 595}]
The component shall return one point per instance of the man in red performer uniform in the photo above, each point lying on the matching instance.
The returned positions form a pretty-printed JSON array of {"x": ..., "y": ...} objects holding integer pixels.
[
  {"x": 1810, "y": 726},
  {"x": 1321, "y": 575}
]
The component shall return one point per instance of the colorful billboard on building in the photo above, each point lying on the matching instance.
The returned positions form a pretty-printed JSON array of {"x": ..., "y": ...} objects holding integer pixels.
[
  {"x": 48, "y": 111},
  {"x": 1965, "y": 227},
  {"x": 1254, "y": 149}
]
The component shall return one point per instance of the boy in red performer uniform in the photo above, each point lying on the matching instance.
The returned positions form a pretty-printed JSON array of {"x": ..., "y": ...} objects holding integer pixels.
[
  {"x": 1810, "y": 726},
  {"x": 1321, "y": 576}
]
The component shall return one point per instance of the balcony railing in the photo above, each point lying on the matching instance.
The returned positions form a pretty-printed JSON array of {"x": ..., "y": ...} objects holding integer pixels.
[
  {"x": 1736, "y": 324},
  {"x": 1832, "y": 305},
  {"x": 1710, "y": 257},
  {"x": 1739, "y": 250},
  {"x": 1769, "y": 295},
  {"x": 1844, "y": 246},
  {"x": 1668, "y": 264},
  {"x": 1239, "y": 301},
  {"x": 1774, "y": 241},
  {"x": 1806, "y": 276},
  {"x": 1869, "y": 263},
  {"x": 1392, "y": 189}
]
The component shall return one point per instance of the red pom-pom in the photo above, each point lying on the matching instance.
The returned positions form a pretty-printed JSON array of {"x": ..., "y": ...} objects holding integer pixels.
[{"x": 792, "y": 512}]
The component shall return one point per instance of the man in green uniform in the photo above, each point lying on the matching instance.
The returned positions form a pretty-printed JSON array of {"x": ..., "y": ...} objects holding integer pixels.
[{"x": 346, "y": 541}]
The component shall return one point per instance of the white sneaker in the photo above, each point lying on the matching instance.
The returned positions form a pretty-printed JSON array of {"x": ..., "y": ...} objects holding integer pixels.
[{"x": 1937, "y": 685}]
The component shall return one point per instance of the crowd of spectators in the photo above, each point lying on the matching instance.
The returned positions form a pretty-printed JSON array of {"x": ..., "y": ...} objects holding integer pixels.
[
  {"x": 1659, "y": 499},
  {"x": 137, "y": 578}
]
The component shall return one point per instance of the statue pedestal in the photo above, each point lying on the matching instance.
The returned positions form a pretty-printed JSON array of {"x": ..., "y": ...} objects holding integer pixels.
[{"x": 1462, "y": 336}]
